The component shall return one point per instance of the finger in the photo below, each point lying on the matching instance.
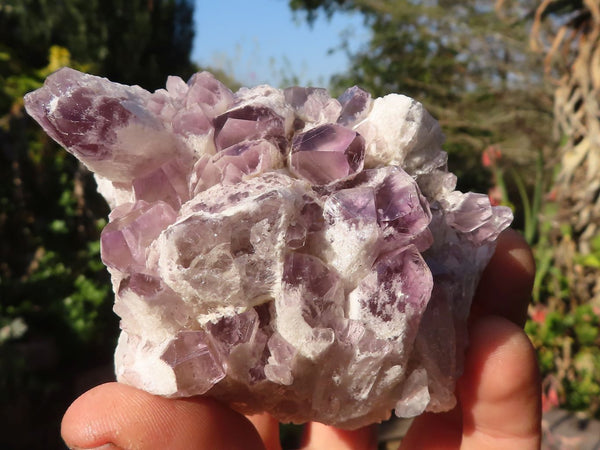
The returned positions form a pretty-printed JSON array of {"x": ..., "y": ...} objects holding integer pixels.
[
  {"x": 133, "y": 419},
  {"x": 506, "y": 283},
  {"x": 318, "y": 436},
  {"x": 504, "y": 290},
  {"x": 268, "y": 429},
  {"x": 435, "y": 431},
  {"x": 500, "y": 389},
  {"x": 498, "y": 394}
]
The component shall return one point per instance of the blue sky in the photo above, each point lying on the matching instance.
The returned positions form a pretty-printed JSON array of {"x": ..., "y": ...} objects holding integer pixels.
[{"x": 260, "y": 41}]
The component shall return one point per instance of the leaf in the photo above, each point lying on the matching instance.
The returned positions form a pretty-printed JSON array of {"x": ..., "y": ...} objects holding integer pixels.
[{"x": 58, "y": 57}]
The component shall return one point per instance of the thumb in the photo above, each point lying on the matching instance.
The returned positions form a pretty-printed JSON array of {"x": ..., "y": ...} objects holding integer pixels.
[{"x": 128, "y": 418}]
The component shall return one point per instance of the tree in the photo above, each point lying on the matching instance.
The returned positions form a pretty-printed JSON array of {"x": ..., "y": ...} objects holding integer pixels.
[
  {"x": 129, "y": 41},
  {"x": 472, "y": 71},
  {"x": 56, "y": 318}
]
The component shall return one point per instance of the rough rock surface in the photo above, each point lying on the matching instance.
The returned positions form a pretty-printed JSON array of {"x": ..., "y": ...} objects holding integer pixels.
[{"x": 281, "y": 250}]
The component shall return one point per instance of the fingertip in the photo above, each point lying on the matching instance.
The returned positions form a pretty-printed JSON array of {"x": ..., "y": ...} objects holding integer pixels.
[
  {"x": 500, "y": 354},
  {"x": 129, "y": 418},
  {"x": 81, "y": 427}
]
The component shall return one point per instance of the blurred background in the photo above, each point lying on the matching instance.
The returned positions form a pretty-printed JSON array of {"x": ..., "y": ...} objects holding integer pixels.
[{"x": 514, "y": 84}]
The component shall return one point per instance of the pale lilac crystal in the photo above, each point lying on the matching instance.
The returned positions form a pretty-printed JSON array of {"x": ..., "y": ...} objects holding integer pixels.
[
  {"x": 312, "y": 105},
  {"x": 282, "y": 251},
  {"x": 391, "y": 299},
  {"x": 195, "y": 363},
  {"x": 190, "y": 108},
  {"x": 168, "y": 183},
  {"x": 125, "y": 239},
  {"x": 145, "y": 303},
  {"x": 327, "y": 153},
  {"x": 234, "y": 163},
  {"x": 356, "y": 104},
  {"x": 248, "y": 123},
  {"x": 212, "y": 96}
]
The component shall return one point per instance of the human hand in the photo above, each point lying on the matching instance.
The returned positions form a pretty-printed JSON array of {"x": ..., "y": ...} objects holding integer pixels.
[{"x": 498, "y": 394}]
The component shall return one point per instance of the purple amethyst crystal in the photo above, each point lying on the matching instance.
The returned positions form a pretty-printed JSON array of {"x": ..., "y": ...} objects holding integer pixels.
[
  {"x": 283, "y": 251},
  {"x": 355, "y": 106},
  {"x": 327, "y": 153},
  {"x": 127, "y": 236}
]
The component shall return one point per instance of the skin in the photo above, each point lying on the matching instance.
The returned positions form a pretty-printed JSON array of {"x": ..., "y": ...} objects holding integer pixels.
[{"x": 499, "y": 398}]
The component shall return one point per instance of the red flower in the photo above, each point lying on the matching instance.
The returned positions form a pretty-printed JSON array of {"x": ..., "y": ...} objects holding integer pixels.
[
  {"x": 550, "y": 399},
  {"x": 538, "y": 314},
  {"x": 490, "y": 156}
]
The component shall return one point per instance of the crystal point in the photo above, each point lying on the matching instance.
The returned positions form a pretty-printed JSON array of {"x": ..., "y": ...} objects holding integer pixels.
[
  {"x": 125, "y": 239},
  {"x": 327, "y": 153},
  {"x": 355, "y": 106}
]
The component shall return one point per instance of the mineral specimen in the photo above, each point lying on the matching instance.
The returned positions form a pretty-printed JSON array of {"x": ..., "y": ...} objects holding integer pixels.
[{"x": 280, "y": 250}]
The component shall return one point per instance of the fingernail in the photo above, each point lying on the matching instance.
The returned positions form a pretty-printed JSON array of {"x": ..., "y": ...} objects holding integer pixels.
[{"x": 524, "y": 258}]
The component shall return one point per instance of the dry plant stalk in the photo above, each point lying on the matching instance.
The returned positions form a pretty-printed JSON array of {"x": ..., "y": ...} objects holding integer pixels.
[{"x": 573, "y": 62}]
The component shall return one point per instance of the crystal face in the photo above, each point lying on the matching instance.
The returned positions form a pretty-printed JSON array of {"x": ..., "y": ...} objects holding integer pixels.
[
  {"x": 327, "y": 153},
  {"x": 280, "y": 250}
]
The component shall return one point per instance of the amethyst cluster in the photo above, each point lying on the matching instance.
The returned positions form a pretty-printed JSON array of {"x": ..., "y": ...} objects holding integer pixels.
[{"x": 281, "y": 250}]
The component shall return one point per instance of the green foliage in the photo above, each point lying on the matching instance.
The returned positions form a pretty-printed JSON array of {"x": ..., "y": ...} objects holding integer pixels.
[
  {"x": 568, "y": 346},
  {"x": 473, "y": 72},
  {"x": 592, "y": 259},
  {"x": 51, "y": 280},
  {"x": 566, "y": 335},
  {"x": 544, "y": 254},
  {"x": 130, "y": 41},
  {"x": 56, "y": 318},
  {"x": 529, "y": 204}
]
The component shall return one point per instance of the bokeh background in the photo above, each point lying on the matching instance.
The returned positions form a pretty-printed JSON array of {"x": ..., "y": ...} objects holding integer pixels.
[{"x": 515, "y": 85}]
